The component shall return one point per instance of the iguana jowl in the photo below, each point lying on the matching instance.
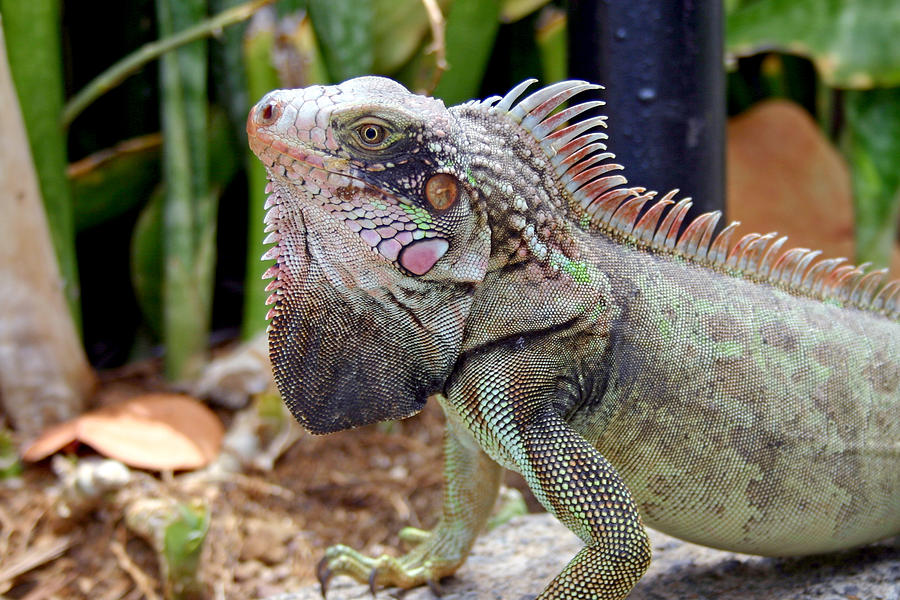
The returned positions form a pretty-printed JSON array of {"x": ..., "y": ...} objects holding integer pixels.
[{"x": 724, "y": 391}]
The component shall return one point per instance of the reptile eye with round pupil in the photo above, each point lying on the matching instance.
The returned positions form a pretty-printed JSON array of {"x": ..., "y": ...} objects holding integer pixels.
[{"x": 370, "y": 134}]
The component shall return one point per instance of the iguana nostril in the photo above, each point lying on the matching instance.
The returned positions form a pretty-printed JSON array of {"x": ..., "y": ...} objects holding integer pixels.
[{"x": 269, "y": 113}]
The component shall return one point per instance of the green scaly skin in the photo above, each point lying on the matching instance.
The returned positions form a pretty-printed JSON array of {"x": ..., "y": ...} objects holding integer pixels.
[{"x": 624, "y": 381}]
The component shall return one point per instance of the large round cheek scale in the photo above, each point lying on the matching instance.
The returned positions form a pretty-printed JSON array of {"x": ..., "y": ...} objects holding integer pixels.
[{"x": 420, "y": 256}]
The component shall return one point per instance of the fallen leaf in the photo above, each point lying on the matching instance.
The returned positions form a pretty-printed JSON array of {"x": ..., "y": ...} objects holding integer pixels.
[
  {"x": 155, "y": 431},
  {"x": 785, "y": 176}
]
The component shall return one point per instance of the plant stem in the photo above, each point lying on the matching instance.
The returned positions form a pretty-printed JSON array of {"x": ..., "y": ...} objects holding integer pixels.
[{"x": 120, "y": 71}]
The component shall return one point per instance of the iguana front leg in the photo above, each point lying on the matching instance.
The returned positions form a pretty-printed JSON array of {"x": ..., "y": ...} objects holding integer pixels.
[
  {"x": 506, "y": 399},
  {"x": 471, "y": 482}
]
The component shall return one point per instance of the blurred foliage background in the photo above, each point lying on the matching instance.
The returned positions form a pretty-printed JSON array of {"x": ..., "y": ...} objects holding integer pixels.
[{"x": 155, "y": 203}]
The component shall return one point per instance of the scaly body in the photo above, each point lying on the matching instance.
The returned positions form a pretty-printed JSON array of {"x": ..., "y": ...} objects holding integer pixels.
[{"x": 725, "y": 392}]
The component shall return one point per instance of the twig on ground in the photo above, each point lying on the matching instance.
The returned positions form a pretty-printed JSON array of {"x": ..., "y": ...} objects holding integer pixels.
[
  {"x": 35, "y": 557},
  {"x": 141, "y": 580}
]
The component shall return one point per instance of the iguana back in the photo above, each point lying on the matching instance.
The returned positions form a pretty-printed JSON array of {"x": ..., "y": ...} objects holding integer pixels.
[{"x": 728, "y": 391}]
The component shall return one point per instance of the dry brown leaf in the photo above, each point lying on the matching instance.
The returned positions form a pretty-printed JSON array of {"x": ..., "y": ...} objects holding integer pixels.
[
  {"x": 785, "y": 176},
  {"x": 154, "y": 431}
]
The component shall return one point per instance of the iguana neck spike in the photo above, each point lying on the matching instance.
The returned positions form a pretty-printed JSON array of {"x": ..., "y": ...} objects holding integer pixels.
[{"x": 602, "y": 200}]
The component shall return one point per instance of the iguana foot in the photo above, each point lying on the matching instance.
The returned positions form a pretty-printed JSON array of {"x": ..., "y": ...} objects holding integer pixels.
[{"x": 435, "y": 556}]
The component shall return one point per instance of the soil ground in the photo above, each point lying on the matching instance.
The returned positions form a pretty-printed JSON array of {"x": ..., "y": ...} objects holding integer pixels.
[{"x": 267, "y": 529}]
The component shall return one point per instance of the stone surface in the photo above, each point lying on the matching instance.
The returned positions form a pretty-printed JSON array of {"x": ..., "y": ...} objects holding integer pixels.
[{"x": 516, "y": 560}]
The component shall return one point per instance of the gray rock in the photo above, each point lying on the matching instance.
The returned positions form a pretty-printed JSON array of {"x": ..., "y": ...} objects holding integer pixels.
[{"x": 516, "y": 560}]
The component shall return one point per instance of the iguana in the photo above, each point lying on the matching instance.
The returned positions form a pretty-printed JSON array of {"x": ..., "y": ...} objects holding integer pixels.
[{"x": 719, "y": 389}]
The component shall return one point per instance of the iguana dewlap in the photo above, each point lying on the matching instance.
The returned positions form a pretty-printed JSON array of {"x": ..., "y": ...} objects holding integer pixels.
[{"x": 721, "y": 389}]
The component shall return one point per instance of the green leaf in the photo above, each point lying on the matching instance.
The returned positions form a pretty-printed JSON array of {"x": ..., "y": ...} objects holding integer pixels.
[
  {"x": 471, "y": 28},
  {"x": 552, "y": 42},
  {"x": 513, "y": 10},
  {"x": 345, "y": 31},
  {"x": 111, "y": 182},
  {"x": 853, "y": 43},
  {"x": 871, "y": 142},
  {"x": 183, "y": 545},
  {"x": 146, "y": 261},
  {"x": 10, "y": 463},
  {"x": 399, "y": 29},
  {"x": 189, "y": 213},
  {"x": 147, "y": 246}
]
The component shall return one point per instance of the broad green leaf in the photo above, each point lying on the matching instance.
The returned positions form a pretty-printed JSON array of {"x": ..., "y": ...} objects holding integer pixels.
[
  {"x": 399, "y": 27},
  {"x": 871, "y": 142},
  {"x": 471, "y": 28},
  {"x": 853, "y": 43},
  {"x": 346, "y": 33},
  {"x": 111, "y": 182}
]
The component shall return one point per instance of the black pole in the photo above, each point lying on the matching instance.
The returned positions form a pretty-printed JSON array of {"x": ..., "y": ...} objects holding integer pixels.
[{"x": 662, "y": 64}]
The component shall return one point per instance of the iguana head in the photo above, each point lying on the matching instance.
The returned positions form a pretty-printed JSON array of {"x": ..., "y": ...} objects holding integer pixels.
[{"x": 378, "y": 244}]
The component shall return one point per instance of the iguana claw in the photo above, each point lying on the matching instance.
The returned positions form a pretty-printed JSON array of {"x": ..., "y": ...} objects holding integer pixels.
[
  {"x": 373, "y": 587},
  {"x": 435, "y": 588},
  {"x": 324, "y": 575}
]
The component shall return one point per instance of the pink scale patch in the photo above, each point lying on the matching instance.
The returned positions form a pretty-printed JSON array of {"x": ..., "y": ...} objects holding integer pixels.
[
  {"x": 386, "y": 232},
  {"x": 370, "y": 236},
  {"x": 420, "y": 256},
  {"x": 390, "y": 249}
]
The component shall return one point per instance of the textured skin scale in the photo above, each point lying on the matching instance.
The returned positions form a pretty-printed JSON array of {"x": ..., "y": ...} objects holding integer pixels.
[{"x": 727, "y": 392}]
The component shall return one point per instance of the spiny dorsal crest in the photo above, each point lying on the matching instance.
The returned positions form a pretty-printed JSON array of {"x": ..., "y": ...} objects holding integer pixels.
[{"x": 604, "y": 201}]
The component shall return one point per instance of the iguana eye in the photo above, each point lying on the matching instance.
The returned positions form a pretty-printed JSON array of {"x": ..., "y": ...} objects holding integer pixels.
[{"x": 371, "y": 134}]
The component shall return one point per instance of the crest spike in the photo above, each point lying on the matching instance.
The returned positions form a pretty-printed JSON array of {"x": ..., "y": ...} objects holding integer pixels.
[
  {"x": 590, "y": 175},
  {"x": 604, "y": 206},
  {"x": 507, "y": 101},
  {"x": 801, "y": 269},
  {"x": 735, "y": 254},
  {"x": 667, "y": 234},
  {"x": 540, "y": 130},
  {"x": 575, "y": 145},
  {"x": 881, "y": 300},
  {"x": 626, "y": 215},
  {"x": 592, "y": 191},
  {"x": 815, "y": 277},
  {"x": 784, "y": 266},
  {"x": 646, "y": 226},
  {"x": 765, "y": 263},
  {"x": 561, "y": 137},
  {"x": 694, "y": 242},
  {"x": 862, "y": 294},
  {"x": 533, "y": 108},
  {"x": 833, "y": 283},
  {"x": 564, "y": 162},
  {"x": 580, "y": 165},
  {"x": 892, "y": 303},
  {"x": 749, "y": 259},
  {"x": 718, "y": 250}
]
